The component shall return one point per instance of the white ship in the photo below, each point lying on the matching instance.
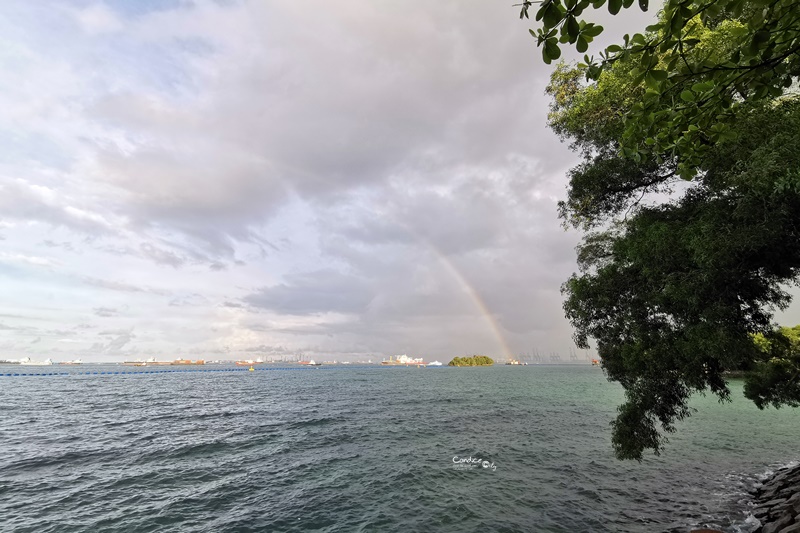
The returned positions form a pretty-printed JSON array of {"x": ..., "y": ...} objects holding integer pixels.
[
  {"x": 403, "y": 360},
  {"x": 27, "y": 361}
]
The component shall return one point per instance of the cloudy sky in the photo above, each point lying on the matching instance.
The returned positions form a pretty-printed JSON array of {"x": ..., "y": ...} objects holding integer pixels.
[{"x": 346, "y": 180}]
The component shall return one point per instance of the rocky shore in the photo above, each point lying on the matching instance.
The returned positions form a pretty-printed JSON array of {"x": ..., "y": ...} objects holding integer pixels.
[{"x": 777, "y": 502}]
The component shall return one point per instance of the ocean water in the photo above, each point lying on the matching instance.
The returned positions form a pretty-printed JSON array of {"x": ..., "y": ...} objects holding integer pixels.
[{"x": 370, "y": 448}]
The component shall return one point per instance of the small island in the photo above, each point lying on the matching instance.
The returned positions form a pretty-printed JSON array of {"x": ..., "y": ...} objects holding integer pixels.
[{"x": 475, "y": 360}]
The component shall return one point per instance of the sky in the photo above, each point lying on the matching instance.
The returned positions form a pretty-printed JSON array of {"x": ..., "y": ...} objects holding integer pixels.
[{"x": 234, "y": 179}]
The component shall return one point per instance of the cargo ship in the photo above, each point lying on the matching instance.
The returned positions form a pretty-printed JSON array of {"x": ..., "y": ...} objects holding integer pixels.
[
  {"x": 177, "y": 362},
  {"x": 250, "y": 362}
]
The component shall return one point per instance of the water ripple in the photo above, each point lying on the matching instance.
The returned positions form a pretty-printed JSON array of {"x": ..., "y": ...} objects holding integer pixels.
[{"x": 365, "y": 449}]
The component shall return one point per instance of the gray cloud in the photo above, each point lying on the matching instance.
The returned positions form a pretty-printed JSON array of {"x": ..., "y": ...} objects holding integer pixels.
[
  {"x": 270, "y": 350},
  {"x": 113, "y": 332},
  {"x": 121, "y": 286},
  {"x": 112, "y": 285},
  {"x": 314, "y": 292},
  {"x": 65, "y": 245},
  {"x": 113, "y": 346},
  {"x": 161, "y": 256},
  {"x": 317, "y": 116},
  {"x": 21, "y": 200},
  {"x": 377, "y": 180},
  {"x": 189, "y": 300}
]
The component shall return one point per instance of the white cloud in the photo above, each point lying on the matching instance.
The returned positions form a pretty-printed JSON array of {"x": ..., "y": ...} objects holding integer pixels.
[
  {"x": 97, "y": 19},
  {"x": 32, "y": 260},
  {"x": 239, "y": 176}
]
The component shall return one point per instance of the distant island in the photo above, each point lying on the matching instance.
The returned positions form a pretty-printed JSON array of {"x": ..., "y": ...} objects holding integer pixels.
[{"x": 475, "y": 360}]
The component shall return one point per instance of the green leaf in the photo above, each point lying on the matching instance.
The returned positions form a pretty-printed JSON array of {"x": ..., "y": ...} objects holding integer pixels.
[
  {"x": 643, "y": 5},
  {"x": 645, "y": 61},
  {"x": 614, "y": 6},
  {"x": 592, "y": 30},
  {"x": 651, "y": 82},
  {"x": 676, "y": 23},
  {"x": 738, "y": 31},
  {"x": 552, "y": 49},
  {"x": 573, "y": 29},
  {"x": 551, "y": 17},
  {"x": 651, "y": 93},
  {"x": 760, "y": 37},
  {"x": 581, "y": 45},
  {"x": 659, "y": 75},
  {"x": 687, "y": 96},
  {"x": 703, "y": 87}
]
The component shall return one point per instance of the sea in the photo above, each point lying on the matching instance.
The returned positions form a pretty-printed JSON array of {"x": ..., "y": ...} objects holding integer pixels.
[{"x": 366, "y": 448}]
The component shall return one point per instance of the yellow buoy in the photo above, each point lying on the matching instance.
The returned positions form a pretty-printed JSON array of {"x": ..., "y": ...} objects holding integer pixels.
[{"x": 251, "y": 369}]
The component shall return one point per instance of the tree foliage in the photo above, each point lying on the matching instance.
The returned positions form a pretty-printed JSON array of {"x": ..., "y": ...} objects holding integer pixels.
[
  {"x": 475, "y": 360},
  {"x": 698, "y": 63},
  {"x": 776, "y": 377},
  {"x": 676, "y": 277}
]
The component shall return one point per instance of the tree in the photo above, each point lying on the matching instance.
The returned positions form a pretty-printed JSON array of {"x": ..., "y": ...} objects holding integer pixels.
[
  {"x": 475, "y": 360},
  {"x": 776, "y": 377},
  {"x": 697, "y": 64},
  {"x": 675, "y": 280}
]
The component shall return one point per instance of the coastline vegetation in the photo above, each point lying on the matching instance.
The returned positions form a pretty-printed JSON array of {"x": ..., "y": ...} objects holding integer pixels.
[{"x": 475, "y": 360}]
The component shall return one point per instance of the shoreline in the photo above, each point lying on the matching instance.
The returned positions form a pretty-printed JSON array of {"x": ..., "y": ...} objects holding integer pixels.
[{"x": 776, "y": 503}]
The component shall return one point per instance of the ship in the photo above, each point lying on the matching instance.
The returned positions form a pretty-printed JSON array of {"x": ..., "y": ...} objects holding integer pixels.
[
  {"x": 310, "y": 363},
  {"x": 435, "y": 363},
  {"x": 404, "y": 360},
  {"x": 27, "y": 361},
  {"x": 139, "y": 362},
  {"x": 250, "y": 362},
  {"x": 177, "y": 362}
]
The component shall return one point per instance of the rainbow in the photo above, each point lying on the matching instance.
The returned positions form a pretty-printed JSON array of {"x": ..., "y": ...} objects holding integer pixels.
[{"x": 476, "y": 299}]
